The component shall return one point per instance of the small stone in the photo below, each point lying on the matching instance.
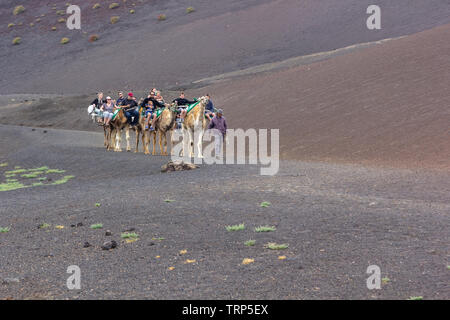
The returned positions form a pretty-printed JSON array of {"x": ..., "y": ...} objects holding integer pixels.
[
  {"x": 10, "y": 280},
  {"x": 109, "y": 245},
  {"x": 108, "y": 233},
  {"x": 178, "y": 166},
  {"x": 129, "y": 229},
  {"x": 79, "y": 224},
  {"x": 86, "y": 245}
]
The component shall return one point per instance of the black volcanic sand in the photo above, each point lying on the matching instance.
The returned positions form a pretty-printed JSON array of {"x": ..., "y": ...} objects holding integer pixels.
[
  {"x": 386, "y": 105},
  {"x": 336, "y": 219},
  {"x": 140, "y": 52}
]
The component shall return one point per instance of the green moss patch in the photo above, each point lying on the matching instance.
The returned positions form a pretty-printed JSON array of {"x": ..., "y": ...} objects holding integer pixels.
[{"x": 21, "y": 176}]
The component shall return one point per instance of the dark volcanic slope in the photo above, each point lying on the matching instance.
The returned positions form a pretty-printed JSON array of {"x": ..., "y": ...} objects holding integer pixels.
[
  {"x": 336, "y": 219},
  {"x": 220, "y": 36},
  {"x": 388, "y": 104}
]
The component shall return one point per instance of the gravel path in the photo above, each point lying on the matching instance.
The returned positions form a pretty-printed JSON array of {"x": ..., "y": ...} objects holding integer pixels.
[{"x": 336, "y": 219}]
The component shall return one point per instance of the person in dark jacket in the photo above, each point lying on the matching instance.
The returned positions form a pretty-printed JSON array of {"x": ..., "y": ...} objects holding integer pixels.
[
  {"x": 120, "y": 99},
  {"x": 182, "y": 104},
  {"x": 155, "y": 104},
  {"x": 209, "y": 108},
  {"x": 219, "y": 123},
  {"x": 129, "y": 109},
  {"x": 151, "y": 97}
]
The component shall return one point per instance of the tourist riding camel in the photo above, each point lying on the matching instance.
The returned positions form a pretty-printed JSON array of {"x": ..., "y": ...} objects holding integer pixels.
[
  {"x": 108, "y": 109},
  {"x": 155, "y": 105},
  {"x": 94, "y": 107},
  {"x": 120, "y": 98},
  {"x": 164, "y": 124},
  {"x": 129, "y": 109},
  {"x": 162, "y": 120},
  {"x": 113, "y": 131},
  {"x": 182, "y": 104},
  {"x": 209, "y": 109}
]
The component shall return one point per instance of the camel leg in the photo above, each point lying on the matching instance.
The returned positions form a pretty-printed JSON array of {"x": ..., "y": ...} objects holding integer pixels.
[
  {"x": 127, "y": 137},
  {"x": 171, "y": 142},
  {"x": 161, "y": 150},
  {"x": 191, "y": 143},
  {"x": 154, "y": 143},
  {"x": 145, "y": 141},
  {"x": 108, "y": 138},
  {"x": 112, "y": 138},
  {"x": 188, "y": 143},
  {"x": 118, "y": 138},
  {"x": 105, "y": 138},
  {"x": 165, "y": 144},
  {"x": 198, "y": 132},
  {"x": 185, "y": 142},
  {"x": 138, "y": 132}
]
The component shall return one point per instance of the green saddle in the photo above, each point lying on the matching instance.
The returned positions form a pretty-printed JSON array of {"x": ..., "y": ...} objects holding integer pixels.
[{"x": 115, "y": 114}]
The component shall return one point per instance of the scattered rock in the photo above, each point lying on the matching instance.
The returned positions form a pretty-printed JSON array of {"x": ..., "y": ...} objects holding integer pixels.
[
  {"x": 108, "y": 233},
  {"x": 86, "y": 245},
  {"x": 10, "y": 280},
  {"x": 79, "y": 224},
  {"x": 109, "y": 245},
  {"x": 178, "y": 166}
]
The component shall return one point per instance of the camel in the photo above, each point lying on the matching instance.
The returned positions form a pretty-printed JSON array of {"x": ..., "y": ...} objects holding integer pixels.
[
  {"x": 163, "y": 124},
  {"x": 107, "y": 130},
  {"x": 194, "y": 126},
  {"x": 141, "y": 132},
  {"x": 114, "y": 132}
]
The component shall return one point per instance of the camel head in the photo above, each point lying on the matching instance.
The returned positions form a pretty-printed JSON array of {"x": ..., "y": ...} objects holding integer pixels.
[
  {"x": 172, "y": 107},
  {"x": 203, "y": 100}
]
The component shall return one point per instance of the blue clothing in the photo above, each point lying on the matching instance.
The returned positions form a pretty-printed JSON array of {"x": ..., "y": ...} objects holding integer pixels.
[
  {"x": 209, "y": 106},
  {"x": 132, "y": 113}
]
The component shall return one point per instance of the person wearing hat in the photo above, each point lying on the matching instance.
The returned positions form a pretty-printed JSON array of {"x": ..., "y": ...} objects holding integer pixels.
[
  {"x": 219, "y": 123},
  {"x": 108, "y": 110},
  {"x": 129, "y": 109}
]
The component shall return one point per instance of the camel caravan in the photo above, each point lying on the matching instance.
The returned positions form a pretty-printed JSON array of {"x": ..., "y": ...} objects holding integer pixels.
[{"x": 152, "y": 118}]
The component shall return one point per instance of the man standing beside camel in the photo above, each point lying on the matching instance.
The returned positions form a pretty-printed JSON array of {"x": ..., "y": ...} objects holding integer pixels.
[{"x": 220, "y": 124}]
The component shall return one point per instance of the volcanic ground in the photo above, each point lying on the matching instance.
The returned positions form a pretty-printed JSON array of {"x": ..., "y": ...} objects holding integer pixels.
[{"x": 336, "y": 220}]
